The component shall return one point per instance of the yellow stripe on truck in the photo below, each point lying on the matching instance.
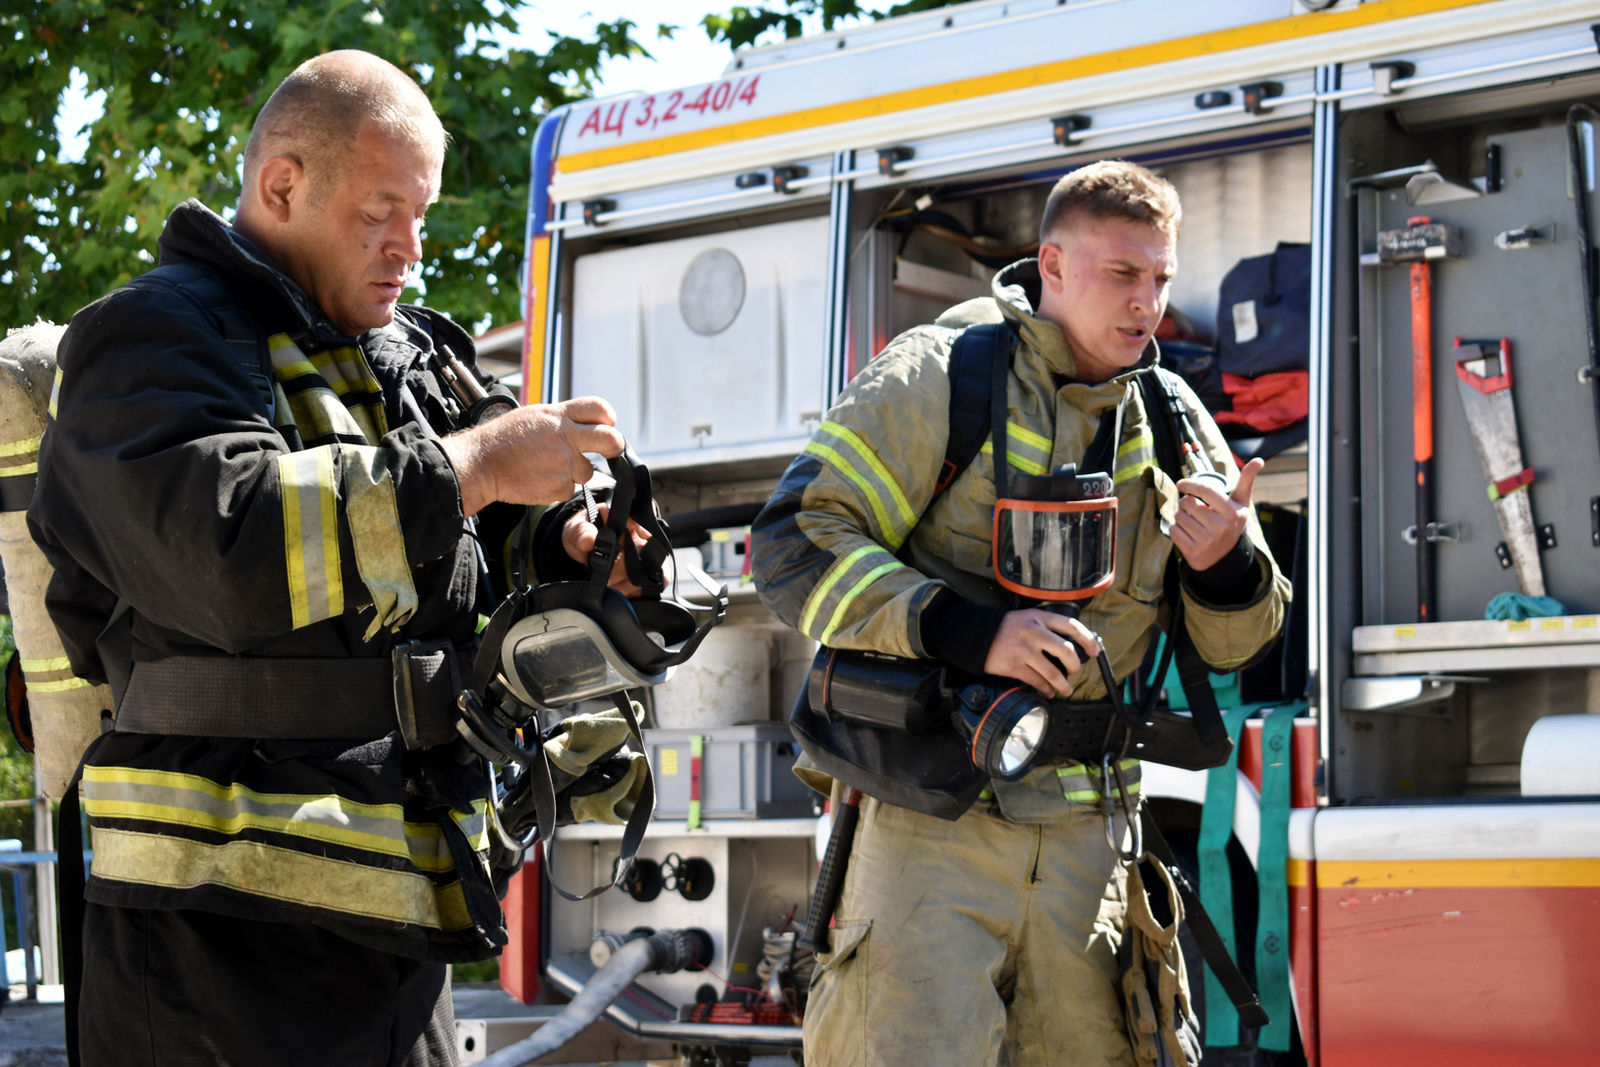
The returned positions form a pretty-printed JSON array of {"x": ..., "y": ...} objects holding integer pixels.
[
  {"x": 1440, "y": 874},
  {"x": 1120, "y": 59}
]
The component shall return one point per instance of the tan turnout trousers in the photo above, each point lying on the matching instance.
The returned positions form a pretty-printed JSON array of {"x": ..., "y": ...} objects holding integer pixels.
[{"x": 973, "y": 943}]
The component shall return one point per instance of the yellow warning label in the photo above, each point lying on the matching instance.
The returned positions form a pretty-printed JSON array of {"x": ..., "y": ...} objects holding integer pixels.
[
  {"x": 1584, "y": 622},
  {"x": 1405, "y": 631},
  {"x": 669, "y": 762},
  {"x": 1551, "y": 624},
  {"x": 1519, "y": 624}
]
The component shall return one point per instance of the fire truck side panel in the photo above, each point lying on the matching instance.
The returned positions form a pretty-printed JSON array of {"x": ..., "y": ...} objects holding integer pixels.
[{"x": 1460, "y": 934}]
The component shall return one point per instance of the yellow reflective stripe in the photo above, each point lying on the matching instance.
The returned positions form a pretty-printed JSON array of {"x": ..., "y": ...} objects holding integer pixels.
[
  {"x": 311, "y": 536},
  {"x": 838, "y": 613},
  {"x": 894, "y": 532},
  {"x": 297, "y": 877},
  {"x": 21, "y": 448},
  {"x": 1017, "y": 460},
  {"x": 288, "y": 362},
  {"x": 1092, "y": 796},
  {"x": 62, "y": 686},
  {"x": 820, "y": 593},
  {"x": 339, "y": 370},
  {"x": 54, "y": 663},
  {"x": 55, "y": 393},
  {"x": 373, "y": 515},
  {"x": 345, "y": 370},
  {"x": 317, "y": 408},
  {"x": 474, "y": 827},
  {"x": 1136, "y": 456},
  {"x": 1028, "y": 437},
  {"x": 1143, "y": 440},
  {"x": 824, "y": 589},
  {"x": 20, "y": 469},
  {"x": 190, "y": 800}
]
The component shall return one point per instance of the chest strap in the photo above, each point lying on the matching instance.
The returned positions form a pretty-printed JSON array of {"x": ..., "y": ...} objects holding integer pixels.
[{"x": 297, "y": 699}]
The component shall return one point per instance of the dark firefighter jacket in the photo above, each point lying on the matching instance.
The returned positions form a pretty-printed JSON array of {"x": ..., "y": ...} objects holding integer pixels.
[{"x": 205, "y": 494}]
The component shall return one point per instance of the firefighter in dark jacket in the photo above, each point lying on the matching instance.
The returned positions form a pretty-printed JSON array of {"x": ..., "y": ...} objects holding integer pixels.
[{"x": 257, "y": 513}]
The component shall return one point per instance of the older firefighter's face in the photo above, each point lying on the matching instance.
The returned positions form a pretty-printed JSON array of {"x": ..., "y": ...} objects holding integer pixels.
[
  {"x": 1106, "y": 283},
  {"x": 352, "y": 250}
]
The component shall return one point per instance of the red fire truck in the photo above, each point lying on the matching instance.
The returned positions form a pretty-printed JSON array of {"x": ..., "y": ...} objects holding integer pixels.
[{"x": 1407, "y": 852}]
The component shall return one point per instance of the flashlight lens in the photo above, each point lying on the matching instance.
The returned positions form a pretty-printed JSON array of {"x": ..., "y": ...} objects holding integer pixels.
[{"x": 1022, "y": 743}]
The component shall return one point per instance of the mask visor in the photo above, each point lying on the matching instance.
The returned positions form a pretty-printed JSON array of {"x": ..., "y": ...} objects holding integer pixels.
[
  {"x": 1055, "y": 549},
  {"x": 559, "y": 657}
]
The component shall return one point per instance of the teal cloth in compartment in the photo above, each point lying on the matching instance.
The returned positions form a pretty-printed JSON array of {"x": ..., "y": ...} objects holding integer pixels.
[
  {"x": 1520, "y": 606},
  {"x": 1216, "y": 879},
  {"x": 1273, "y": 976}
]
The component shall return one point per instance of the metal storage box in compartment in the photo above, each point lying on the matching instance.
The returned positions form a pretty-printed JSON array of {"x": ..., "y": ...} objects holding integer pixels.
[
  {"x": 1530, "y": 295},
  {"x": 747, "y": 772},
  {"x": 709, "y": 347}
]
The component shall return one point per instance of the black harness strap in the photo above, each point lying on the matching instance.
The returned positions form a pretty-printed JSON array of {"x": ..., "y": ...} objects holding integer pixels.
[
  {"x": 972, "y": 359},
  {"x": 1160, "y": 396}
]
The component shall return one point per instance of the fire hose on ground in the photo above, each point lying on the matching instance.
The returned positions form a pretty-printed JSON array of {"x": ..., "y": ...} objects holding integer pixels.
[{"x": 663, "y": 953}]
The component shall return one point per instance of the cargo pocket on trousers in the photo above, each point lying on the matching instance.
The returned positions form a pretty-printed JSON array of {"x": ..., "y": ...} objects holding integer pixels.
[
  {"x": 836, "y": 1011},
  {"x": 845, "y": 941}
]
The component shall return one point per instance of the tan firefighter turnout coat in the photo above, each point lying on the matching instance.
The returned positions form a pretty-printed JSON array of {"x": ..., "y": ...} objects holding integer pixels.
[{"x": 850, "y": 552}]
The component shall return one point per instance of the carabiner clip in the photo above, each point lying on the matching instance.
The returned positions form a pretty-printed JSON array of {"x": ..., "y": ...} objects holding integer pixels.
[
  {"x": 1111, "y": 771},
  {"x": 497, "y": 819}
]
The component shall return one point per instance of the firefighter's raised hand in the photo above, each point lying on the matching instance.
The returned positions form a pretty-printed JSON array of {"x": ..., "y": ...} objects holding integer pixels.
[
  {"x": 1209, "y": 524},
  {"x": 1040, "y": 648},
  {"x": 534, "y": 454},
  {"x": 578, "y": 538}
]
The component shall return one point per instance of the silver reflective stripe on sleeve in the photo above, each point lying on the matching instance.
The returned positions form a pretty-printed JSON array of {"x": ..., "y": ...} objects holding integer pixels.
[{"x": 311, "y": 535}]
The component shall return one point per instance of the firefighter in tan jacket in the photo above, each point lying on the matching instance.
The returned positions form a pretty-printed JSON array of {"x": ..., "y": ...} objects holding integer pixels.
[{"x": 991, "y": 938}]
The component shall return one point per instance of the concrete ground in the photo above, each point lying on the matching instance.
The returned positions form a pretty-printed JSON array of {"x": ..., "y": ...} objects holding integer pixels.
[{"x": 31, "y": 1031}]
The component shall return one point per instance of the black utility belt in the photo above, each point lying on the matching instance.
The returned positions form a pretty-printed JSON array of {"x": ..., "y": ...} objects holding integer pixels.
[{"x": 282, "y": 698}]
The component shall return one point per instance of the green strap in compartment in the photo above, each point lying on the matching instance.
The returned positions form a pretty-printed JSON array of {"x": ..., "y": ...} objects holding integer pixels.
[
  {"x": 1272, "y": 859},
  {"x": 1216, "y": 885}
]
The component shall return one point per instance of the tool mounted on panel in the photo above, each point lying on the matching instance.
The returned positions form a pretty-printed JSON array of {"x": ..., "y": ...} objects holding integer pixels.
[
  {"x": 1483, "y": 375},
  {"x": 1419, "y": 243}
]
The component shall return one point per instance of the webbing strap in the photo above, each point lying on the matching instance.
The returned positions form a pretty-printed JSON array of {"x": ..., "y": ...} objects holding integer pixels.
[
  {"x": 1272, "y": 859},
  {"x": 1216, "y": 878},
  {"x": 632, "y": 833}
]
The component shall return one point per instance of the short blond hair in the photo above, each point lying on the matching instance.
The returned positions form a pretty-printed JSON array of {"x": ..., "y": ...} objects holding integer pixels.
[
  {"x": 1112, "y": 189},
  {"x": 319, "y": 110}
]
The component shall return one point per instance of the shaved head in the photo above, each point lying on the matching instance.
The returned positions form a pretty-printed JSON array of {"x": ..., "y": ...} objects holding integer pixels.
[{"x": 320, "y": 109}]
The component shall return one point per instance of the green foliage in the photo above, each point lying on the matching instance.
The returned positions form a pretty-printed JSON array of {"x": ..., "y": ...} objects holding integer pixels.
[
  {"x": 745, "y": 25},
  {"x": 479, "y": 971},
  {"x": 183, "y": 80}
]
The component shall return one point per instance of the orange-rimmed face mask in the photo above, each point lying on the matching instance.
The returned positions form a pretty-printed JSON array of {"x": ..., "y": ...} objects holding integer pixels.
[{"x": 1055, "y": 537}]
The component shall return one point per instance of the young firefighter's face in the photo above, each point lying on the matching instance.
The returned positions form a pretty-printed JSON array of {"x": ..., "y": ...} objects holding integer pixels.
[
  {"x": 352, "y": 252},
  {"x": 1106, "y": 283}
]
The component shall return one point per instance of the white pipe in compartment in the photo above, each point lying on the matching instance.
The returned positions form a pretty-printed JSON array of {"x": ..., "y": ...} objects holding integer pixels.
[{"x": 1561, "y": 757}]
